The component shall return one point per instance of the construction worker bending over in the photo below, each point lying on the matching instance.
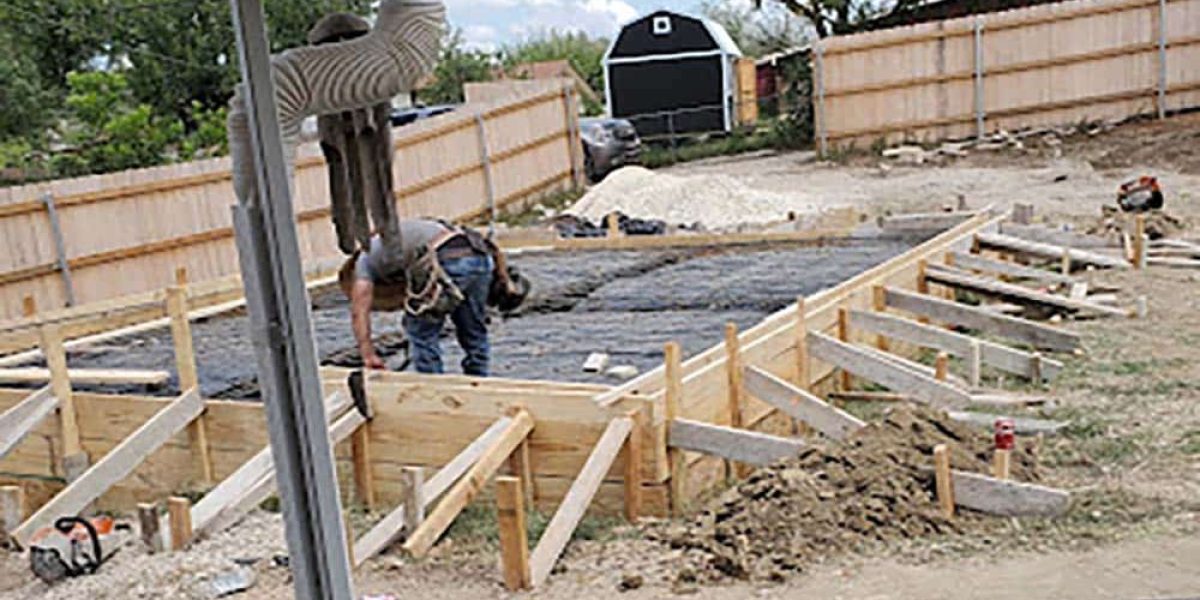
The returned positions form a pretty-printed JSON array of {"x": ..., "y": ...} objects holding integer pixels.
[{"x": 433, "y": 271}]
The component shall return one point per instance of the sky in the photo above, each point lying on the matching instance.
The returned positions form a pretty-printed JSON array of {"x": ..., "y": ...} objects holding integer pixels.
[{"x": 489, "y": 24}]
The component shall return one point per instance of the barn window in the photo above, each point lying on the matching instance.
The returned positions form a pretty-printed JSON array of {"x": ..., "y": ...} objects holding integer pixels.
[{"x": 661, "y": 25}]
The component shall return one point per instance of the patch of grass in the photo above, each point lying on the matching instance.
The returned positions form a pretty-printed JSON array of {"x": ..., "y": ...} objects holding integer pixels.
[
  {"x": 477, "y": 524},
  {"x": 1190, "y": 443},
  {"x": 1132, "y": 367},
  {"x": 659, "y": 154}
]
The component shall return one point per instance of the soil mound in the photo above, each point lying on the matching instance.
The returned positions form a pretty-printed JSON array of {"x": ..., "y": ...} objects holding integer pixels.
[
  {"x": 1159, "y": 224},
  {"x": 876, "y": 487}
]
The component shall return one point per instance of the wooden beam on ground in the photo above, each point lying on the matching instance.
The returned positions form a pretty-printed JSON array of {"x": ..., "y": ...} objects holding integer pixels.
[
  {"x": 997, "y": 355},
  {"x": 388, "y": 529},
  {"x": 801, "y": 405},
  {"x": 24, "y": 417},
  {"x": 1008, "y": 498},
  {"x": 1022, "y": 425},
  {"x": 1049, "y": 251},
  {"x": 923, "y": 222},
  {"x": 1178, "y": 263},
  {"x": 87, "y": 376},
  {"x": 1012, "y": 328},
  {"x": 1016, "y": 293},
  {"x": 117, "y": 464},
  {"x": 574, "y": 504},
  {"x": 465, "y": 490},
  {"x": 974, "y": 262},
  {"x": 864, "y": 363},
  {"x": 1041, "y": 233},
  {"x": 514, "y": 542},
  {"x": 750, "y": 447}
]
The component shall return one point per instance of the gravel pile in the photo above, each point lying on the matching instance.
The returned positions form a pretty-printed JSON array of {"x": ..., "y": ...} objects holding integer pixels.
[{"x": 717, "y": 202}]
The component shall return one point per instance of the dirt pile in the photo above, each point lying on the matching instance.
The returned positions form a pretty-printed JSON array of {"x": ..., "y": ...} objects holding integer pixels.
[
  {"x": 876, "y": 487},
  {"x": 1159, "y": 224}
]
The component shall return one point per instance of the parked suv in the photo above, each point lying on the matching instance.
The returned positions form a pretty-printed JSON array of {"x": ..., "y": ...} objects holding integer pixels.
[{"x": 607, "y": 145}]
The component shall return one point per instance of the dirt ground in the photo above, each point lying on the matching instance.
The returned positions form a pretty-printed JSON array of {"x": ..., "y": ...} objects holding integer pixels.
[{"x": 1130, "y": 457}]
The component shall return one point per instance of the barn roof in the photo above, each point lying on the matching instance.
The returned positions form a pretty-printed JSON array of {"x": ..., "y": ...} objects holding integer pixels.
[{"x": 724, "y": 43}]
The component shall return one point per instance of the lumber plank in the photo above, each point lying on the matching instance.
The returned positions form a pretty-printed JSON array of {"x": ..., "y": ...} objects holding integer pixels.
[
  {"x": 1022, "y": 425},
  {"x": 23, "y": 417},
  {"x": 997, "y": 355},
  {"x": 514, "y": 544},
  {"x": 830, "y": 420},
  {"x": 1049, "y": 251},
  {"x": 1016, "y": 293},
  {"x": 1178, "y": 263},
  {"x": 1040, "y": 233},
  {"x": 864, "y": 363},
  {"x": 558, "y": 532},
  {"x": 750, "y": 447},
  {"x": 1006, "y": 497},
  {"x": 88, "y": 376},
  {"x": 246, "y": 476},
  {"x": 465, "y": 490},
  {"x": 920, "y": 222},
  {"x": 389, "y": 528},
  {"x": 974, "y": 262},
  {"x": 118, "y": 463},
  {"x": 1012, "y": 328}
]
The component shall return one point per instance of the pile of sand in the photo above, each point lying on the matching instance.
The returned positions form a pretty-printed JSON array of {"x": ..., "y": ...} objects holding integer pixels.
[
  {"x": 876, "y": 487},
  {"x": 717, "y": 202}
]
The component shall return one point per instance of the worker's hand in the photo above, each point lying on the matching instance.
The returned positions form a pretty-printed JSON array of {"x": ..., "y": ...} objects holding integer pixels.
[{"x": 372, "y": 361}]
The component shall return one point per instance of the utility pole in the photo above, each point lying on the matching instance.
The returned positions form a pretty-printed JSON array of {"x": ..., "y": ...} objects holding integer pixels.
[{"x": 281, "y": 329}]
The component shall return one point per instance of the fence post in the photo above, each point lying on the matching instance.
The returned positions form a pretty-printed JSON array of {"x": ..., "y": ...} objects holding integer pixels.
[
  {"x": 485, "y": 161},
  {"x": 819, "y": 81},
  {"x": 60, "y": 248},
  {"x": 575, "y": 152},
  {"x": 1162, "y": 59},
  {"x": 979, "y": 116},
  {"x": 671, "y": 132}
]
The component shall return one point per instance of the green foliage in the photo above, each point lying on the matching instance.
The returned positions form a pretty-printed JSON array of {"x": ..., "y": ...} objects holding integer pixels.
[
  {"x": 22, "y": 95},
  {"x": 757, "y": 32},
  {"x": 583, "y": 53},
  {"x": 458, "y": 65},
  {"x": 661, "y": 154}
]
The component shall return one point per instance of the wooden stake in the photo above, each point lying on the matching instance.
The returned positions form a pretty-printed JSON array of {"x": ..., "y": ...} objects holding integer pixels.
[
  {"x": 974, "y": 360},
  {"x": 733, "y": 382},
  {"x": 148, "y": 527},
  {"x": 12, "y": 509},
  {"x": 75, "y": 462},
  {"x": 1000, "y": 464},
  {"x": 879, "y": 303},
  {"x": 1139, "y": 242},
  {"x": 185, "y": 366},
  {"x": 673, "y": 364},
  {"x": 180, "y": 512},
  {"x": 922, "y": 285},
  {"x": 1035, "y": 368},
  {"x": 514, "y": 544},
  {"x": 803, "y": 379},
  {"x": 843, "y": 334},
  {"x": 614, "y": 225},
  {"x": 1066, "y": 262},
  {"x": 360, "y": 453},
  {"x": 633, "y": 466},
  {"x": 941, "y": 366},
  {"x": 181, "y": 276},
  {"x": 520, "y": 466},
  {"x": 412, "y": 484},
  {"x": 945, "y": 487}
]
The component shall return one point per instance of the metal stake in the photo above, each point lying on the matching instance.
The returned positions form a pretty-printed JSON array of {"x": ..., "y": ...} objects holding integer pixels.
[
  {"x": 1162, "y": 59},
  {"x": 60, "y": 248},
  {"x": 282, "y": 333},
  {"x": 671, "y": 132},
  {"x": 979, "y": 125}
]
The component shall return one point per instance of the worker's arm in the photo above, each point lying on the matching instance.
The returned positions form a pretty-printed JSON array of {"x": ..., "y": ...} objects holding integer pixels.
[{"x": 360, "y": 320}]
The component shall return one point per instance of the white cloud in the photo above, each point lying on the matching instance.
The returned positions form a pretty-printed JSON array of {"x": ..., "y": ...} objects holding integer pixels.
[{"x": 620, "y": 11}]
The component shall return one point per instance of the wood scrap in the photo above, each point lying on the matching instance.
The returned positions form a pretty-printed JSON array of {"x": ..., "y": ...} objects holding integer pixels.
[
  {"x": 1007, "y": 498},
  {"x": 1013, "y": 328},
  {"x": 1023, "y": 425}
]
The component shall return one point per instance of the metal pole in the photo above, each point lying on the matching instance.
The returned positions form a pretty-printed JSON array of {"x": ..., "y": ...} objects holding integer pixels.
[
  {"x": 485, "y": 159},
  {"x": 979, "y": 125},
  {"x": 1162, "y": 59},
  {"x": 60, "y": 248},
  {"x": 671, "y": 132},
  {"x": 819, "y": 79},
  {"x": 282, "y": 333}
]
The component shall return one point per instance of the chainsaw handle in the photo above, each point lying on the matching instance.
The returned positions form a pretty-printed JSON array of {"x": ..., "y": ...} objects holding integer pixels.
[{"x": 66, "y": 525}]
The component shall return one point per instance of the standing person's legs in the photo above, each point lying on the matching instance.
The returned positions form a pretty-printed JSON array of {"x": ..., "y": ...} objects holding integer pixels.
[
  {"x": 424, "y": 346},
  {"x": 473, "y": 276}
]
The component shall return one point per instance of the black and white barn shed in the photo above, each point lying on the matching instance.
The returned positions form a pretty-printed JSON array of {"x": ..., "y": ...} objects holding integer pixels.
[{"x": 672, "y": 72}]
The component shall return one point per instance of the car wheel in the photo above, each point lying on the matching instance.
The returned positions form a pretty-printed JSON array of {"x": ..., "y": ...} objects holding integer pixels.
[{"x": 589, "y": 167}]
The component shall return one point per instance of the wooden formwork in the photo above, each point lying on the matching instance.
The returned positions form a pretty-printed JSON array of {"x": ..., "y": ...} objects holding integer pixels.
[{"x": 569, "y": 444}]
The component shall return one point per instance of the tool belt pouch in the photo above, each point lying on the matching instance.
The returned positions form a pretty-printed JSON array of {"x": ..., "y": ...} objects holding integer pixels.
[{"x": 431, "y": 293}]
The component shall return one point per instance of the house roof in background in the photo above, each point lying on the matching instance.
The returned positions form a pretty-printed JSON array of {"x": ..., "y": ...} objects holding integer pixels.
[{"x": 550, "y": 69}]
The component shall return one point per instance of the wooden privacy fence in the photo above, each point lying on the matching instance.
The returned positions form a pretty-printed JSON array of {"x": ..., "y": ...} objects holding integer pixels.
[
  {"x": 1044, "y": 65},
  {"x": 84, "y": 240}
]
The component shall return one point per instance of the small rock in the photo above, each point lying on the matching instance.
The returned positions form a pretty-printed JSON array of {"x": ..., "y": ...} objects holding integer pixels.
[
  {"x": 231, "y": 582},
  {"x": 596, "y": 362},
  {"x": 630, "y": 582}
]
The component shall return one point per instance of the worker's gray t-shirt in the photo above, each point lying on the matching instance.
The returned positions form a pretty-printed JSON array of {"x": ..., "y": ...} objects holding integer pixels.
[{"x": 379, "y": 266}]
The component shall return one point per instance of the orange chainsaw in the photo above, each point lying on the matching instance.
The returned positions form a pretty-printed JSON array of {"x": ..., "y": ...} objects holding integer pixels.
[{"x": 72, "y": 547}]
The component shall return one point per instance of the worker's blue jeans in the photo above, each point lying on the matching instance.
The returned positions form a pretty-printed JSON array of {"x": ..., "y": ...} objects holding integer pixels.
[{"x": 473, "y": 276}]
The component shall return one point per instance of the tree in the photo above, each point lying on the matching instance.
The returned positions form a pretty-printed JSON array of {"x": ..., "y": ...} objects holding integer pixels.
[
  {"x": 839, "y": 17},
  {"x": 757, "y": 32},
  {"x": 22, "y": 95},
  {"x": 583, "y": 53},
  {"x": 456, "y": 66}
]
